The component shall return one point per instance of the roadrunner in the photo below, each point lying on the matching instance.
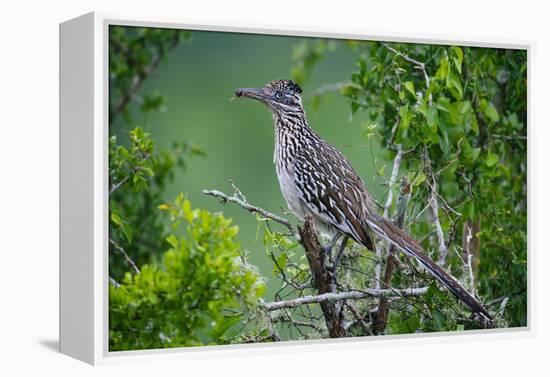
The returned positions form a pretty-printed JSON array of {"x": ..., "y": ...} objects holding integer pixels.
[{"x": 317, "y": 180}]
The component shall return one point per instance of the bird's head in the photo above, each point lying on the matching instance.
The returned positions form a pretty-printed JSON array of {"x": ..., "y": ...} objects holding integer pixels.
[{"x": 280, "y": 96}]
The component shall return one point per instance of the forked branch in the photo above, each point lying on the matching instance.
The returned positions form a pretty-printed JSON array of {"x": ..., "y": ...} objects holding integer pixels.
[{"x": 239, "y": 200}]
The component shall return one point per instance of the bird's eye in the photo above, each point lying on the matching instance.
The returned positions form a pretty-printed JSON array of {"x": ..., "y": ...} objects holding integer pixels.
[{"x": 279, "y": 95}]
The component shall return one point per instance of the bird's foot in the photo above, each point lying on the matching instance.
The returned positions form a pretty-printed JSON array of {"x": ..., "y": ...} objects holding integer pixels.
[
  {"x": 326, "y": 256},
  {"x": 333, "y": 268},
  {"x": 327, "y": 250}
]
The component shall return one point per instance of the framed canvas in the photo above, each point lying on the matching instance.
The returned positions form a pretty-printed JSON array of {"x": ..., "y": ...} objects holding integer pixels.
[{"x": 380, "y": 191}]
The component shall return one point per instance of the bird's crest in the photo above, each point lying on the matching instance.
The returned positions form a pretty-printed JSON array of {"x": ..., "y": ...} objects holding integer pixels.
[{"x": 284, "y": 85}]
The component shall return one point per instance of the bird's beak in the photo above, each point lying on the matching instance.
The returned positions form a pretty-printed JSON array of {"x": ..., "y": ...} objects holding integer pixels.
[{"x": 253, "y": 93}]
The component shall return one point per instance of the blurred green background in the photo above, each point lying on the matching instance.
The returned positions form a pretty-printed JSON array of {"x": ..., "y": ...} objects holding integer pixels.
[{"x": 199, "y": 78}]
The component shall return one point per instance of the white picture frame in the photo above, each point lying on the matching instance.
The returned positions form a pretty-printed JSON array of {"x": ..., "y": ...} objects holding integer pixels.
[{"x": 84, "y": 187}]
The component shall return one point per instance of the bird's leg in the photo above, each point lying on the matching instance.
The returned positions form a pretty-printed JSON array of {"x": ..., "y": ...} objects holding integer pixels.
[
  {"x": 340, "y": 252},
  {"x": 327, "y": 249}
]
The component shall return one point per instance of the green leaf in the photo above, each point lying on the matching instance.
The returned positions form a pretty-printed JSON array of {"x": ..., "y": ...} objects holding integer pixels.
[
  {"x": 115, "y": 218},
  {"x": 470, "y": 154},
  {"x": 439, "y": 320},
  {"x": 454, "y": 85},
  {"x": 432, "y": 118},
  {"x": 419, "y": 179},
  {"x": 413, "y": 323},
  {"x": 491, "y": 159},
  {"x": 282, "y": 261},
  {"x": 445, "y": 105},
  {"x": 443, "y": 69},
  {"x": 410, "y": 87},
  {"x": 491, "y": 113},
  {"x": 474, "y": 154},
  {"x": 173, "y": 241},
  {"x": 148, "y": 170},
  {"x": 458, "y": 58},
  {"x": 382, "y": 171},
  {"x": 226, "y": 324},
  {"x": 405, "y": 117},
  {"x": 127, "y": 231}
]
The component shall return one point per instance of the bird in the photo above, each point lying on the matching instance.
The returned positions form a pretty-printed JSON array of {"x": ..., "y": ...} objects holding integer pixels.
[{"x": 317, "y": 180}]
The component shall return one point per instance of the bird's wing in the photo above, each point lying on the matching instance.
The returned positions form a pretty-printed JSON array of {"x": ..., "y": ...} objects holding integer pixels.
[{"x": 332, "y": 190}]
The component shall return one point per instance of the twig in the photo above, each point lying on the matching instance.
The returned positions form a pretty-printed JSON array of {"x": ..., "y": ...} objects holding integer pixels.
[
  {"x": 118, "y": 185},
  {"x": 381, "y": 318},
  {"x": 237, "y": 192},
  {"x": 434, "y": 206},
  {"x": 497, "y": 300},
  {"x": 123, "y": 181},
  {"x": 503, "y": 306},
  {"x": 446, "y": 206},
  {"x": 273, "y": 334},
  {"x": 253, "y": 209},
  {"x": 348, "y": 295},
  {"x": 452, "y": 232},
  {"x": 334, "y": 87},
  {"x": 393, "y": 179},
  {"x": 387, "y": 206},
  {"x": 285, "y": 279},
  {"x": 139, "y": 79},
  {"x": 128, "y": 260},
  {"x": 287, "y": 318},
  {"x": 417, "y": 217},
  {"x": 509, "y": 137},
  {"x": 420, "y": 240},
  {"x": 420, "y": 65},
  {"x": 351, "y": 306},
  {"x": 469, "y": 255},
  {"x": 442, "y": 245},
  {"x": 114, "y": 283}
]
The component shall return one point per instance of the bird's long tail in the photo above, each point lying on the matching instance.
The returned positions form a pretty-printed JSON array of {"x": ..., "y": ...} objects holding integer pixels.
[{"x": 393, "y": 234}]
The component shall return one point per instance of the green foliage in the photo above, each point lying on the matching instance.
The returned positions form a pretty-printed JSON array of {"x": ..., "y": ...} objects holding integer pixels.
[
  {"x": 133, "y": 53},
  {"x": 467, "y": 112},
  {"x": 196, "y": 296},
  {"x": 144, "y": 310},
  {"x": 138, "y": 175},
  {"x": 460, "y": 115},
  {"x": 138, "y": 172}
]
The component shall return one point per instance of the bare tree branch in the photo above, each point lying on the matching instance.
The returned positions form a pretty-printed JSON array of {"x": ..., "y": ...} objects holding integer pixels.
[
  {"x": 349, "y": 295},
  {"x": 438, "y": 230},
  {"x": 503, "y": 306},
  {"x": 381, "y": 317},
  {"x": 387, "y": 206},
  {"x": 113, "y": 282},
  {"x": 118, "y": 185},
  {"x": 393, "y": 179},
  {"x": 509, "y": 137},
  {"x": 434, "y": 206},
  {"x": 351, "y": 306},
  {"x": 322, "y": 279},
  {"x": 128, "y": 260},
  {"x": 253, "y": 209}
]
